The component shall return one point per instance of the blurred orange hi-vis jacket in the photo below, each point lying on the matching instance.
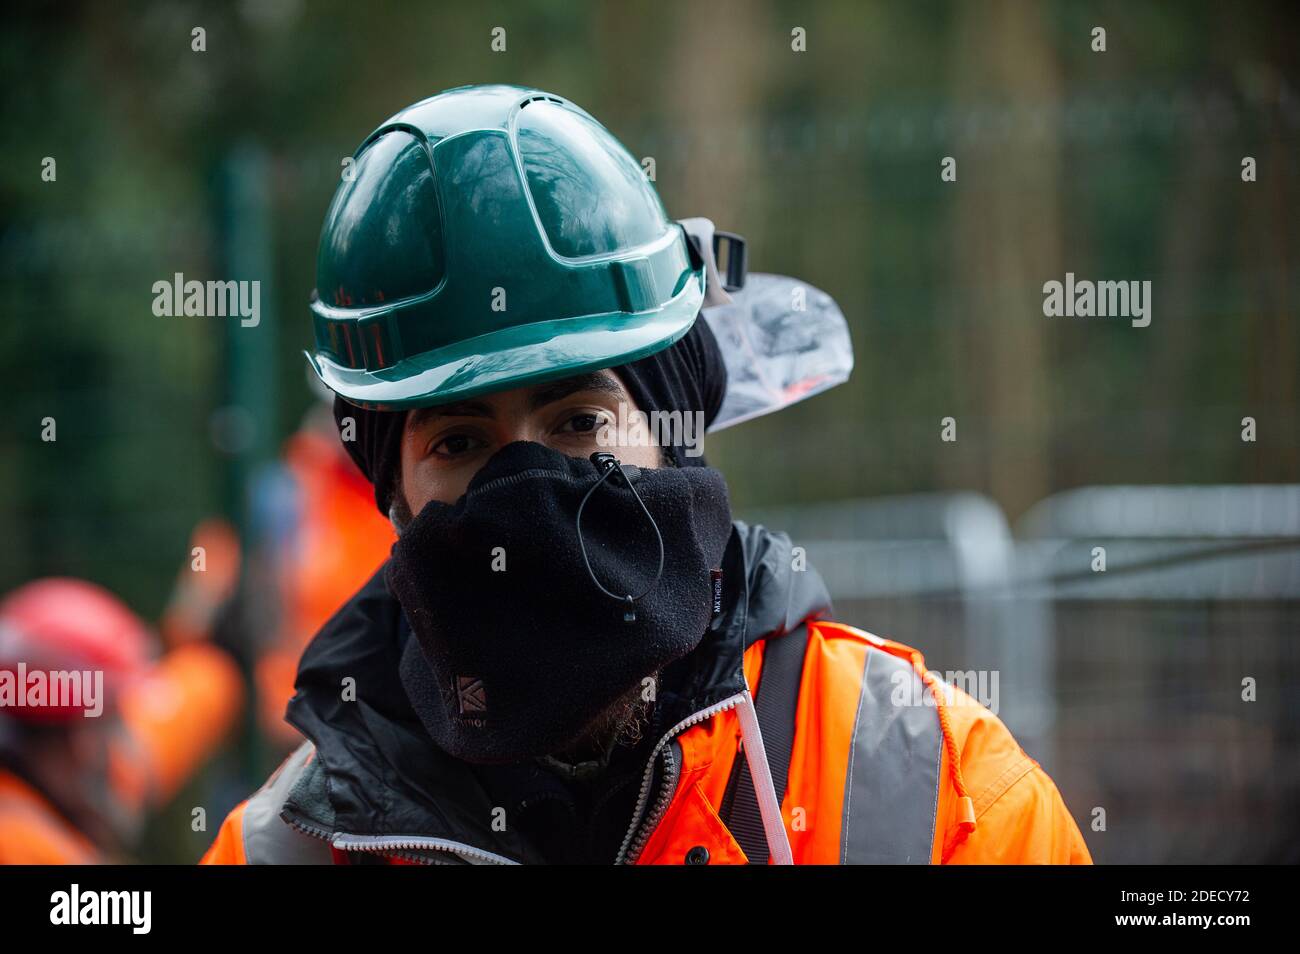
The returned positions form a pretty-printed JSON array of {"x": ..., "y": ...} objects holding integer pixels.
[
  {"x": 339, "y": 539},
  {"x": 878, "y": 760},
  {"x": 167, "y": 723},
  {"x": 32, "y": 832}
]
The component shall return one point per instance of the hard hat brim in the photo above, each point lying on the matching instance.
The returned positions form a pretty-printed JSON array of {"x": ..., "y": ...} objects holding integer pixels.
[{"x": 516, "y": 357}]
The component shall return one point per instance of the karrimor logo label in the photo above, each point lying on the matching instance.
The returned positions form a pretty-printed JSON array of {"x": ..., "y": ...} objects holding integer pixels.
[
  {"x": 471, "y": 694},
  {"x": 75, "y": 907},
  {"x": 52, "y": 689},
  {"x": 1103, "y": 299},
  {"x": 212, "y": 299}
]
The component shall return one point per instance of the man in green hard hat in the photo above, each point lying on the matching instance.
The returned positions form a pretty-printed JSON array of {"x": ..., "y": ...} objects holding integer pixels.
[{"x": 555, "y": 664}]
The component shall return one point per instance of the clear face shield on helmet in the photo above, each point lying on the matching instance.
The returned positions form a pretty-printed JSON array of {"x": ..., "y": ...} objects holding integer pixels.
[{"x": 782, "y": 340}]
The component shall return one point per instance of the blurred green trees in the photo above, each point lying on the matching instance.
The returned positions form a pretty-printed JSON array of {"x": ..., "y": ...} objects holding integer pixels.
[{"x": 1123, "y": 165}]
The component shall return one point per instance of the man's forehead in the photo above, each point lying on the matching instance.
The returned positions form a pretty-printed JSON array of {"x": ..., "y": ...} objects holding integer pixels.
[{"x": 537, "y": 396}]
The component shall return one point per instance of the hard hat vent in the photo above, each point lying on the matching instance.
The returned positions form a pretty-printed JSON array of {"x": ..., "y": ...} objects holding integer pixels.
[
  {"x": 590, "y": 194},
  {"x": 382, "y": 239}
]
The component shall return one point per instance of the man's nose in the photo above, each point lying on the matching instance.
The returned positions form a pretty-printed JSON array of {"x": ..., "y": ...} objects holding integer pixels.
[{"x": 525, "y": 431}]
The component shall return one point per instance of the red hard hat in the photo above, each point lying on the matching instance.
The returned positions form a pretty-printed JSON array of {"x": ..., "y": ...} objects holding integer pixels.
[{"x": 68, "y": 625}]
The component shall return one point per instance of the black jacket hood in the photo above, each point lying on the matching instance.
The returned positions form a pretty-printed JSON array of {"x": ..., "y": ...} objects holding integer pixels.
[{"x": 384, "y": 776}]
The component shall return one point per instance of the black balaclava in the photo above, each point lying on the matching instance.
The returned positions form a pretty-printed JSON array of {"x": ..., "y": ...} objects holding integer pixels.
[
  {"x": 687, "y": 376},
  {"x": 529, "y": 623}
]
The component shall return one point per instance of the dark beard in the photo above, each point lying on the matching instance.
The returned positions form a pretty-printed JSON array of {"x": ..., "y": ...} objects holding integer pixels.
[{"x": 622, "y": 723}]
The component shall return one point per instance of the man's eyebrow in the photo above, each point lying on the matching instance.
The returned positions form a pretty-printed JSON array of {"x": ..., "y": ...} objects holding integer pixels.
[
  {"x": 558, "y": 390},
  {"x": 541, "y": 396},
  {"x": 419, "y": 416}
]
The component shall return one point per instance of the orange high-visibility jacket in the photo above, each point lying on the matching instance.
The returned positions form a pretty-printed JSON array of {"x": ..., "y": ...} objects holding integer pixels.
[
  {"x": 888, "y": 763},
  {"x": 339, "y": 538},
  {"x": 32, "y": 832},
  {"x": 167, "y": 724}
]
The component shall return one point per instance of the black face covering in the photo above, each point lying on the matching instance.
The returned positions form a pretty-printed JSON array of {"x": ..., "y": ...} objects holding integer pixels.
[{"x": 517, "y": 649}]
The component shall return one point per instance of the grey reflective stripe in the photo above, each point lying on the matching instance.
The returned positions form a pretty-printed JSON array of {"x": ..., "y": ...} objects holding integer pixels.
[
  {"x": 891, "y": 789},
  {"x": 268, "y": 838}
]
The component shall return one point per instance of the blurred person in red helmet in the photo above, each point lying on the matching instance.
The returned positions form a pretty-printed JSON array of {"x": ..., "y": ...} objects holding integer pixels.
[{"x": 94, "y": 732}]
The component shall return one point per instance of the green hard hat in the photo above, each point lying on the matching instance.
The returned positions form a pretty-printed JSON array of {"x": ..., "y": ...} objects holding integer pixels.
[{"x": 492, "y": 237}]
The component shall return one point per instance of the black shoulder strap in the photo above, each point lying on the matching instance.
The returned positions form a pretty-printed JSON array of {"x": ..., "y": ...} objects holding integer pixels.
[{"x": 775, "y": 702}]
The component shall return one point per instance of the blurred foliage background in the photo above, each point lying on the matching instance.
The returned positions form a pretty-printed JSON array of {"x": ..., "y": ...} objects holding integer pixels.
[{"x": 1117, "y": 165}]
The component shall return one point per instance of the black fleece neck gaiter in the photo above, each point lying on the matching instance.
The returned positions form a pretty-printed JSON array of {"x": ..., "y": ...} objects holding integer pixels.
[{"x": 516, "y": 648}]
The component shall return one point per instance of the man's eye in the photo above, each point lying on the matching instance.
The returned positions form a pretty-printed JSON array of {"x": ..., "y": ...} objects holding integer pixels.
[
  {"x": 583, "y": 423},
  {"x": 455, "y": 445}
]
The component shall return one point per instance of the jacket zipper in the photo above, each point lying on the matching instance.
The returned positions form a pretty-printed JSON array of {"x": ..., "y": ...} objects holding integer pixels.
[
  {"x": 638, "y": 833},
  {"x": 385, "y": 844},
  {"x": 399, "y": 846},
  {"x": 667, "y": 789},
  {"x": 634, "y": 841}
]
